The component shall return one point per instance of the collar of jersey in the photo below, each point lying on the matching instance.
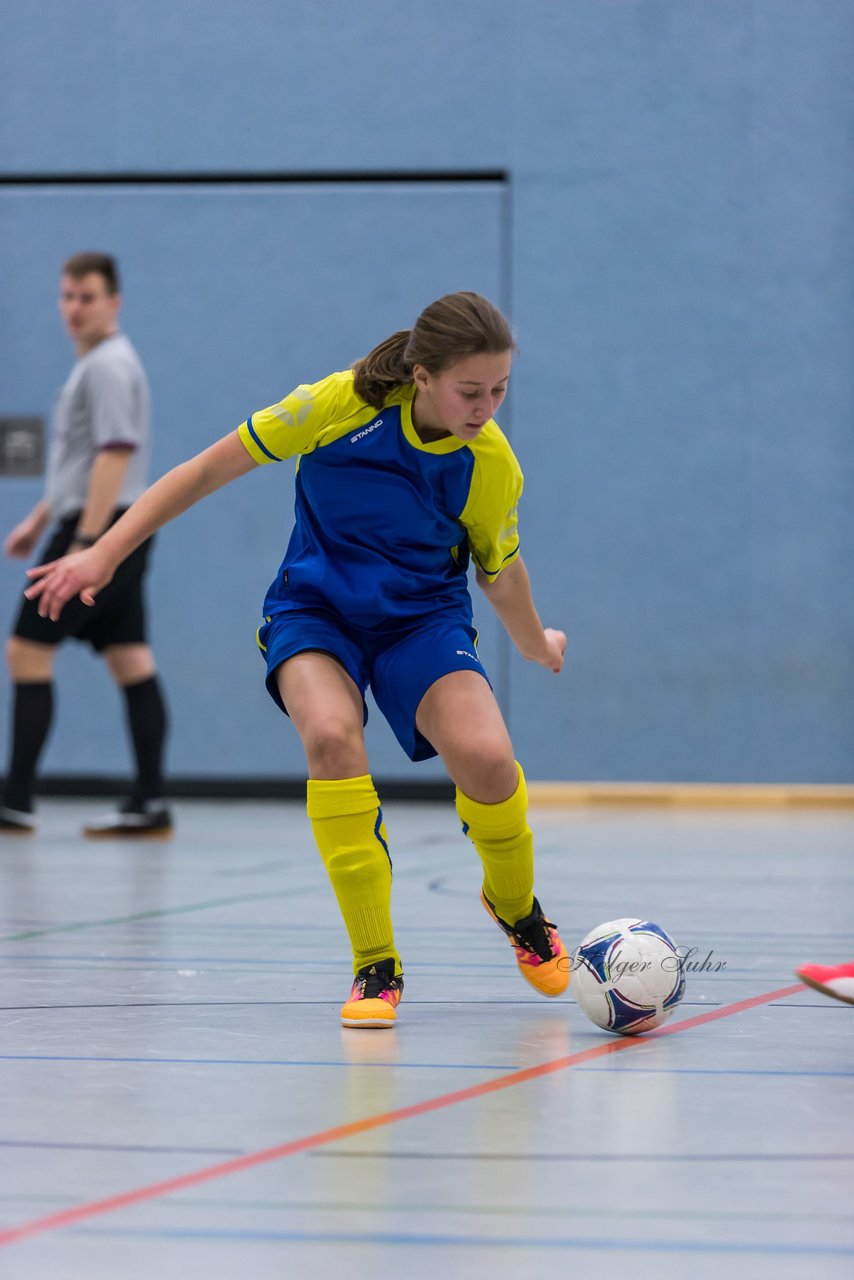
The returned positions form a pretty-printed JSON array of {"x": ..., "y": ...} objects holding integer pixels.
[{"x": 448, "y": 444}]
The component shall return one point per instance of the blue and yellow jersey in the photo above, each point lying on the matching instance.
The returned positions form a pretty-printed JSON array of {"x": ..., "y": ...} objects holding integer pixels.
[{"x": 385, "y": 523}]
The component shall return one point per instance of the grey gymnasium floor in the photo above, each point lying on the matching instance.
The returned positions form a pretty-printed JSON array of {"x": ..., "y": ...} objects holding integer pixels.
[{"x": 178, "y": 1098}]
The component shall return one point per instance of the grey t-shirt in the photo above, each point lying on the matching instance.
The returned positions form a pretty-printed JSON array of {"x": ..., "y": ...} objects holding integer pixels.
[{"x": 104, "y": 404}]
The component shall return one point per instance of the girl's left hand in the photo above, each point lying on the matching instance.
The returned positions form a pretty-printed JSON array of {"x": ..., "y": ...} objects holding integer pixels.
[{"x": 556, "y": 649}]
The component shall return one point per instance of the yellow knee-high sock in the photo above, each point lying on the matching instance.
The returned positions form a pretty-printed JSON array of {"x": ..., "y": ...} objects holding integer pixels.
[
  {"x": 504, "y": 843},
  {"x": 348, "y": 826}
]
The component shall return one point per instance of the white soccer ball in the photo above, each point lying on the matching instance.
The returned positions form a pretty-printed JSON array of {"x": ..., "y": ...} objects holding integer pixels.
[{"x": 628, "y": 976}]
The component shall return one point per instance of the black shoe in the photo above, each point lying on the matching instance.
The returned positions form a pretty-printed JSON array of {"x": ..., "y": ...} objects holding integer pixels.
[
  {"x": 136, "y": 820},
  {"x": 16, "y": 822}
]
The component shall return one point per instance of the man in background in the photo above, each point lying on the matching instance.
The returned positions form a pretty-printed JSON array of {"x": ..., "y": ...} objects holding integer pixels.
[{"x": 97, "y": 466}]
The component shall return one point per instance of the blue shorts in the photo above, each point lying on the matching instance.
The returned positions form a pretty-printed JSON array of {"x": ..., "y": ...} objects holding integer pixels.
[{"x": 400, "y": 666}]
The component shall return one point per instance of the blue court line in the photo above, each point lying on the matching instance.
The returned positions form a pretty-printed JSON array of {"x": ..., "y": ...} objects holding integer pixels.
[
  {"x": 820, "y": 1003},
  {"x": 710, "y": 1071},
  {"x": 31, "y": 961},
  {"x": 144, "y": 959},
  {"x": 175, "y": 1004},
  {"x": 409, "y": 1066},
  {"x": 547, "y": 1157},
  {"x": 590, "y": 1157},
  {"x": 253, "y": 1004},
  {"x": 732, "y": 938},
  {"x": 422, "y": 1240},
  {"x": 120, "y": 1146},
  {"x": 284, "y": 960},
  {"x": 258, "y": 1062}
]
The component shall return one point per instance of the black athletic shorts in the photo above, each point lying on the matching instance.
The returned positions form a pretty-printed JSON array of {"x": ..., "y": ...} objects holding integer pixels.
[{"x": 118, "y": 614}]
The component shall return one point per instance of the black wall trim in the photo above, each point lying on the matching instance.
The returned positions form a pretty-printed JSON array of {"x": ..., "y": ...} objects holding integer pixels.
[
  {"x": 178, "y": 788},
  {"x": 326, "y": 177}
]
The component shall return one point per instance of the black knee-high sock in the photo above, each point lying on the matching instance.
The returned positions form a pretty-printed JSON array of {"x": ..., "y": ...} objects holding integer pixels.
[
  {"x": 146, "y": 718},
  {"x": 32, "y": 713}
]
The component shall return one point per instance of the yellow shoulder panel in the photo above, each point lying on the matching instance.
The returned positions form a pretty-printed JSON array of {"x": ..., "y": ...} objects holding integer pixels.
[{"x": 312, "y": 415}]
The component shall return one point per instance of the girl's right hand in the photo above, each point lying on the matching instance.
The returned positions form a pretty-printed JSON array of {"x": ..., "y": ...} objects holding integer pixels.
[{"x": 82, "y": 573}]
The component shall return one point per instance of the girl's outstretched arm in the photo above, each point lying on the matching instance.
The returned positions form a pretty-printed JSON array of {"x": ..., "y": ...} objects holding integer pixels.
[
  {"x": 510, "y": 596},
  {"x": 85, "y": 573}
]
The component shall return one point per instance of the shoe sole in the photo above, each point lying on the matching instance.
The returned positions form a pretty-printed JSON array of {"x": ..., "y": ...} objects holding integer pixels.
[
  {"x": 825, "y": 991},
  {"x": 117, "y": 833},
  {"x": 541, "y": 991},
  {"x": 368, "y": 1024}
]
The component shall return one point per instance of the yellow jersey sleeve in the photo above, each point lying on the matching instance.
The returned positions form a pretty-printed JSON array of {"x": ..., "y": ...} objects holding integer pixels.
[
  {"x": 299, "y": 423},
  {"x": 490, "y": 515}
]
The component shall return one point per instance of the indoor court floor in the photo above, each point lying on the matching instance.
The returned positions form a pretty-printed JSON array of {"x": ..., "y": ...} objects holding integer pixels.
[{"x": 178, "y": 1098}]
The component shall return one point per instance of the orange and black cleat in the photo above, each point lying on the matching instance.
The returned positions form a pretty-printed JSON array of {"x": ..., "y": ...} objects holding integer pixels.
[{"x": 540, "y": 954}]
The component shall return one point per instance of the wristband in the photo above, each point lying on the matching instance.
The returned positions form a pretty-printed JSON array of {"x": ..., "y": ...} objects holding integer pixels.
[{"x": 82, "y": 541}]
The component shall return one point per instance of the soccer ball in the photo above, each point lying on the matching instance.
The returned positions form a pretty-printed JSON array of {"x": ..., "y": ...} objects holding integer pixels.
[{"x": 628, "y": 976}]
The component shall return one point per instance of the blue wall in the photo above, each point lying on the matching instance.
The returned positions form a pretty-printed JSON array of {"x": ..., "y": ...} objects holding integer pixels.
[{"x": 673, "y": 242}]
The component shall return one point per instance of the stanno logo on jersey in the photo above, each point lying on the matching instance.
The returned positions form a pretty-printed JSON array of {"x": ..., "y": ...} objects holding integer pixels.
[
  {"x": 366, "y": 431},
  {"x": 464, "y": 653}
]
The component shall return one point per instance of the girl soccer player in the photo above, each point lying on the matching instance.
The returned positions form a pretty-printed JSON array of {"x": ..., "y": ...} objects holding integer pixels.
[{"x": 402, "y": 476}]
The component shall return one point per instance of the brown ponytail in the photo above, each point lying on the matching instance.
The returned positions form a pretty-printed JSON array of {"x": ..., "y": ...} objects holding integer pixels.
[
  {"x": 383, "y": 369},
  {"x": 458, "y": 325}
]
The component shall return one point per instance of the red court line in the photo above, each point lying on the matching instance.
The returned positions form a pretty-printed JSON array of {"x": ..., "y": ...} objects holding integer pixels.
[{"x": 66, "y": 1217}]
